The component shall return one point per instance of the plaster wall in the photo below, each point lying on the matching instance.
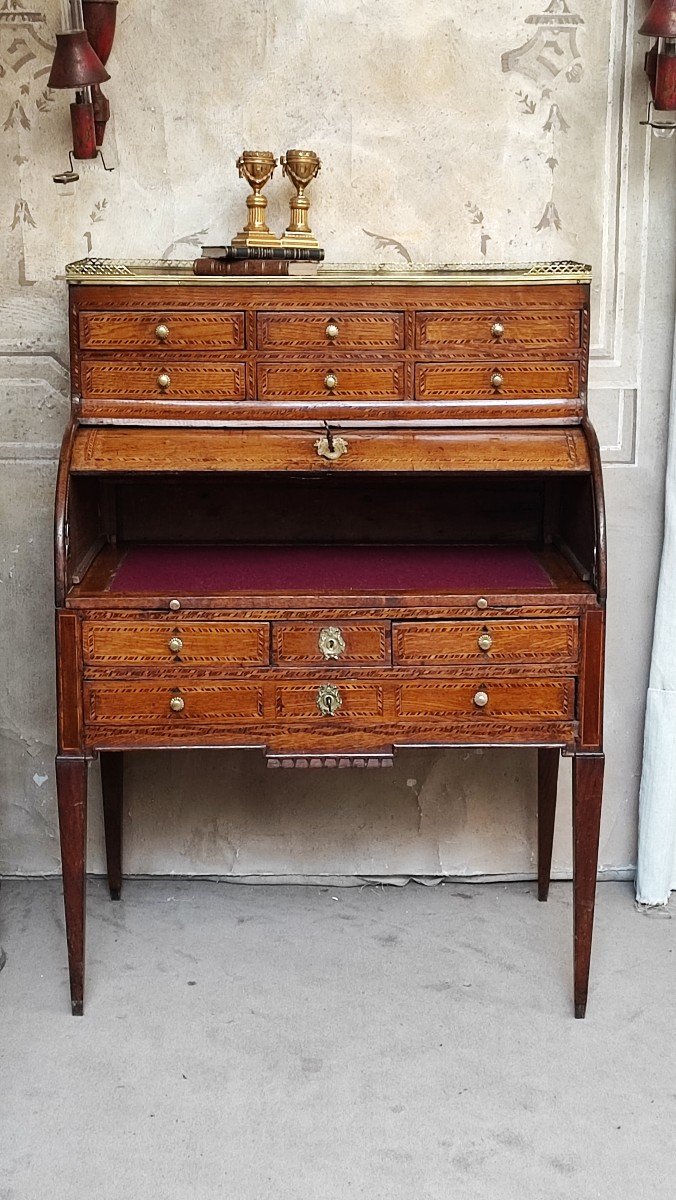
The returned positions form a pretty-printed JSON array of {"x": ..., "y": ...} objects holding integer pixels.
[{"x": 505, "y": 132}]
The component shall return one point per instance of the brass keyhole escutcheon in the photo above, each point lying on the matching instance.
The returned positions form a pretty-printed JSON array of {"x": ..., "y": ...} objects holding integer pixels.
[
  {"x": 481, "y": 699},
  {"x": 177, "y": 704},
  {"x": 175, "y": 645},
  {"x": 497, "y": 330},
  {"x": 332, "y": 330},
  {"x": 497, "y": 380},
  {"x": 162, "y": 331},
  {"x": 163, "y": 380},
  {"x": 485, "y": 641},
  {"x": 332, "y": 449},
  {"x": 331, "y": 642},
  {"x": 331, "y": 381},
  {"x": 329, "y": 699}
]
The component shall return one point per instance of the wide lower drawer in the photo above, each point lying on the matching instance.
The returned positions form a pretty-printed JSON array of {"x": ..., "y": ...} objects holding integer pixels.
[
  {"x": 272, "y": 706},
  {"x": 160, "y": 330},
  {"x": 544, "y": 699},
  {"x": 317, "y": 643},
  {"x": 497, "y": 380},
  {"x": 485, "y": 333},
  {"x": 110, "y": 379},
  {"x": 331, "y": 379},
  {"x": 321, "y": 330},
  {"x": 158, "y": 643},
  {"x": 154, "y": 703},
  {"x": 436, "y": 643}
]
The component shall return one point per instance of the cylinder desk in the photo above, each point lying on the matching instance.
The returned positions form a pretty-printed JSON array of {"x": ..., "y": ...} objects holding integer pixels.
[{"x": 326, "y": 517}]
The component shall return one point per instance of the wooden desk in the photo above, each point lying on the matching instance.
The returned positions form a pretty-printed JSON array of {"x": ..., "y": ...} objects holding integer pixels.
[{"x": 324, "y": 518}]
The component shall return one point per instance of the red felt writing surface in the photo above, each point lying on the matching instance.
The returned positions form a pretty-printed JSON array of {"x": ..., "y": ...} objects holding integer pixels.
[{"x": 316, "y": 569}]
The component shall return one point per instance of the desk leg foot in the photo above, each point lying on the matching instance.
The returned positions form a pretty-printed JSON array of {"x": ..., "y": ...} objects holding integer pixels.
[
  {"x": 587, "y": 793},
  {"x": 548, "y": 778},
  {"x": 112, "y": 775},
  {"x": 71, "y": 786}
]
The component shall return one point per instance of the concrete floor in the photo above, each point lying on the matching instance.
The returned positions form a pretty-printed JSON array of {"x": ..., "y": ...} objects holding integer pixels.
[{"x": 290, "y": 1043}]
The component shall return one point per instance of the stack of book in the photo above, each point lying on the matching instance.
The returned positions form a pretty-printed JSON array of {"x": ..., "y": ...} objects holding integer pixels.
[{"x": 258, "y": 260}]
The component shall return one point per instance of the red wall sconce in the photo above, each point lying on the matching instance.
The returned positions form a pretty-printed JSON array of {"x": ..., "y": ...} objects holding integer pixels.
[
  {"x": 82, "y": 51},
  {"x": 660, "y": 64}
]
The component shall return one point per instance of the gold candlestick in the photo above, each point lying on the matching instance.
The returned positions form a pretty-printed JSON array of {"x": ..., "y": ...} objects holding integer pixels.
[
  {"x": 257, "y": 167},
  {"x": 301, "y": 167}
]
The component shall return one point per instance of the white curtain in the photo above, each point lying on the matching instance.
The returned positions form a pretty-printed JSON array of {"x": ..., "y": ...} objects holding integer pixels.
[{"x": 656, "y": 875}]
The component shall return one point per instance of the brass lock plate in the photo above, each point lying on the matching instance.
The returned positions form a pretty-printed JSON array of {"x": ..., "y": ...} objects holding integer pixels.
[
  {"x": 331, "y": 642},
  {"x": 332, "y": 449},
  {"x": 329, "y": 699}
]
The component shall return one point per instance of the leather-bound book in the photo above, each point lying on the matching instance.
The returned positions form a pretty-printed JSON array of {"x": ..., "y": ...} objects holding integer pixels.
[{"x": 221, "y": 266}]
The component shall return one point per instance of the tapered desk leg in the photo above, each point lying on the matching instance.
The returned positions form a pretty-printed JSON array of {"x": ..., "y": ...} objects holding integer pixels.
[
  {"x": 112, "y": 775},
  {"x": 587, "y": 793},
  {"x": 548, "y": 778},
  {"x": 71, "y": 786}
]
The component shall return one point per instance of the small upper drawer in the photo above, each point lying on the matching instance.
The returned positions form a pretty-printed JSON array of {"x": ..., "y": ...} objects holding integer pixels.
[
  {"x": 496, "y": 380},
  {"x": 331, "y": 379},
  {"x": 164, "y": 644},
  {"x": 132, "y": 380},
  {"x": 317, "y": 331},
  {"x": 158, "y": 331},
  {"x": 436, "y": 643},
  {"x": 468, "y": 334},
  {"x": 325, "y": 643}
]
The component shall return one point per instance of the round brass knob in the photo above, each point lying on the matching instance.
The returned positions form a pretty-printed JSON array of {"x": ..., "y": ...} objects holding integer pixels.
[
  {"x": 331, "y": 380},
  {"x": 482, "y": 602},
  {"x": 163, "y": 380},
  {"x": 481, "y": 699},
  {"x": 497, "y": 380},
  {"x": 497, "y": 330},
  {"x": 174, "y": 605},
  {"x": 177, "y": 704},
  {"x": 175, "y": 644},
  {"x": 162, "y": 331},
  {"x": 332, "y": 330},
  {"x": 485, "y": 641}
]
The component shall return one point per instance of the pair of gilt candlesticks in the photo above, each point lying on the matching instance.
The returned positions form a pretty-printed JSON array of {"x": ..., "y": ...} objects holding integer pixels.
[{"x": 257, "y": 167}]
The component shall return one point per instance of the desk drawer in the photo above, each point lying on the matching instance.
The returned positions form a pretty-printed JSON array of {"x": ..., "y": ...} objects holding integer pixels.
[
  {"x": 331, "y": 379},
  {"x": 488, "y": 699},
  {"x": 320, "y": 331},
  {"x": 161, "y": 331},
  {"x": 164, "y": 381},
  {"x": 165, "y": 644},
  {"x": 486, "y": 334},
  {"x": 174, "y": 704},
  {"x": 497, "y": 380},
  {"x": 435, "y": 643},
  {"x": 330, "y": 644}
]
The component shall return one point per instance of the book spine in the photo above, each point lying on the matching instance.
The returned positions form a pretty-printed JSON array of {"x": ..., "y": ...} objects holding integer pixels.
[
  {"x": 284, "y": 253},
  {"x": 221, "y": 266}
]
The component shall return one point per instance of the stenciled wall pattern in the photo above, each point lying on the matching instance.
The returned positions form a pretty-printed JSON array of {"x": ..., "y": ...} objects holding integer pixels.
[{"x": 448, "y": 133}]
